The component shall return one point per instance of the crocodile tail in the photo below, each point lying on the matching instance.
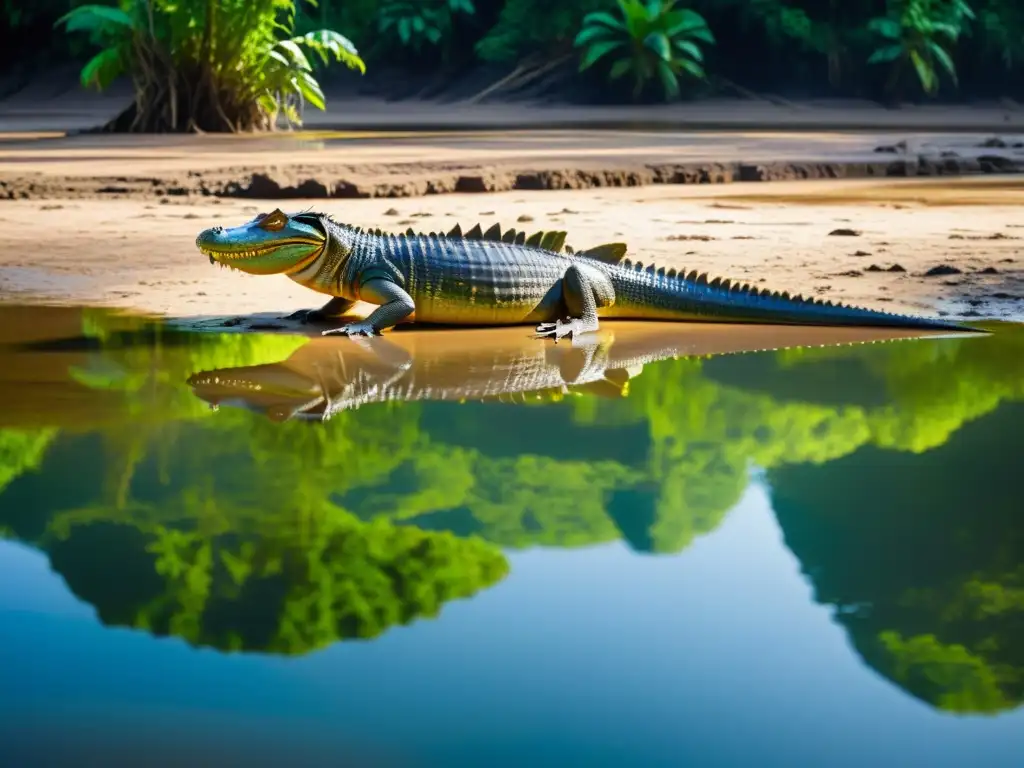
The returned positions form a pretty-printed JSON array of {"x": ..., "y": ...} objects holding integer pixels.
[{"x": 697, "y": 296}]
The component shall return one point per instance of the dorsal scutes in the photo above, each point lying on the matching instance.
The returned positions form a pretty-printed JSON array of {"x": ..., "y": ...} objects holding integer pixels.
[
  {"x": 549, "y": 240},
  {"x": 609, "y": 253}
]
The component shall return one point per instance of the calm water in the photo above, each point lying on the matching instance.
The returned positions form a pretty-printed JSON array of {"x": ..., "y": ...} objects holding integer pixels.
[{"x": 805, "y": 557}]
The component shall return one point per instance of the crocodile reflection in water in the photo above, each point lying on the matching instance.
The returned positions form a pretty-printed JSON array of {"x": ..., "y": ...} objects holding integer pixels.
[{"x": 324, "y": 377}]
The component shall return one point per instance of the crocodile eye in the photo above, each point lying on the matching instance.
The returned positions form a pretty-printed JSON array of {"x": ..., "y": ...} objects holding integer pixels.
[{"x": 273, "y": 222}]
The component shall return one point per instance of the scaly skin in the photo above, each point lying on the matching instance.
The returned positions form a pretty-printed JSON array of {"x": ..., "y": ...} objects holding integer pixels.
[{"x": 502, "y": 279}]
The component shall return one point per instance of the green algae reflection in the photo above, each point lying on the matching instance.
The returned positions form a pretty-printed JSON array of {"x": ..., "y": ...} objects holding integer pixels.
[{"x": 238, "y": 531}]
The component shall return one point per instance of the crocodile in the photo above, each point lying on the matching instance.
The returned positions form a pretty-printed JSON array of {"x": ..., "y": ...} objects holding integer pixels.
[
  {"x": 322, "y": 378},
  {"x": 503, "y": 277}
]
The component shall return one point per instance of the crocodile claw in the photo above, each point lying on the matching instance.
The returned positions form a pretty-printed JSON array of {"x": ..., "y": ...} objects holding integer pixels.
[
  {"x": 558, "y": 330},
  {"x": 353, "y": 329}
]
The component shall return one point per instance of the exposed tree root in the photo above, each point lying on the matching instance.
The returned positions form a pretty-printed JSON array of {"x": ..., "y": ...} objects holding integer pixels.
[{"x": 525, "y": 73}]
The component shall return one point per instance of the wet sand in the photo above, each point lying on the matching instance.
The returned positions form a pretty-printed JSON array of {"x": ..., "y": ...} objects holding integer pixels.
[{"x": 931, "y": 247}]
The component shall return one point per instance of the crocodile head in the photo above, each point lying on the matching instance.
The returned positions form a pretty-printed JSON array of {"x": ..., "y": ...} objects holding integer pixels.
[{"x": 272, "y": 243}]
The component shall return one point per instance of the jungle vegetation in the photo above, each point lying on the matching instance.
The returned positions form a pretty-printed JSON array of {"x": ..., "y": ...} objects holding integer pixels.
[
  {"x": 224, "y": 65},
  {"x": 167, "y": 520}
]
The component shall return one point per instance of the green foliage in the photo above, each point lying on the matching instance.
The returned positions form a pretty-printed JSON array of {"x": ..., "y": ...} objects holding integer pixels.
[
  {"x": 920, "y": 34},
  {"x": 214, "y": 65},
  {"x": 913, "y": 46},
  {"x": 950, "y": 675},
  {"x": 22, "y": 451},
  {"x": 528, "y": 28},
  {"x": 648, "y": 40},
  {"x": 419, "y": 23},
  {"x": 290, "y": 590}
]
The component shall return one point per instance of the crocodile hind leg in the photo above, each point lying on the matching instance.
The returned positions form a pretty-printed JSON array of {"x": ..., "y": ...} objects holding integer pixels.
[{"x": 584, "y": 290}]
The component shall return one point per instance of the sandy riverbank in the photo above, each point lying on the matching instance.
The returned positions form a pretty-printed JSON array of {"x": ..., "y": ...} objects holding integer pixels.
[
  {"x": 358, "y": 165},
  {"x": 967, "y": 233}
]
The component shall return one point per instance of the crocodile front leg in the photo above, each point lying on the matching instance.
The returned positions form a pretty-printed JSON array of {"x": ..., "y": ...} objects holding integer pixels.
[
  {"x": 395, "y": 306},
  {"x": 584, "y": 289},
  {"x": 334, "y": 308}
]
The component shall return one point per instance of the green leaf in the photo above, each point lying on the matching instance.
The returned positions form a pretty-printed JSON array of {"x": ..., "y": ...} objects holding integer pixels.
[
  {"x": 886, "y": 28},
  {"x": 279, "y": 58},
  {"x": 327, "y": 40},
  {"x": 925, "y": 72},
  {"x": 268, "y": 103},
  {"x": 659, "y": 44},
  {"x": 102, "y": 69},
  {"x": 310, "y": 90},
  {"x": 888, "y": 53},
  {"x": 944, "y": 58},
  {"x": 588, "y": 34},
  {"x": 688, "y": 19},
  {"x": 699, "y": 31},
  {"x": 603, "y": 18},
  {"x": 597, "y": 50},
  {"x": 294, "y": 54},
  {"x": 692, "y": 68},
  {"x": 669, "y": 81},
  {"x": 691, "y": 49},
  {"x": 619, "y": 68},
  {"x": 949, "y": 30},
  {"x": 95, "y": 18}
]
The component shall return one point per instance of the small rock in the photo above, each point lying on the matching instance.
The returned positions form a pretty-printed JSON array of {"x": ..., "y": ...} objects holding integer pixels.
[
  {"x": 391, "y": 212},
  {"x": 989, "y": 271},
  {"x": 993, "y": 143},
  {"x": 896, "y": 268},
  {"x": 851, "y": 273},
  {"x": 874, "y": 268},
  {"x": 943, "y": 269},
  {"x": 524, "y": 218},
  {"x": 1003, "y": 295},
  {"x": 845, "y": 232},
  {"x": 860, "y": 253}
]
